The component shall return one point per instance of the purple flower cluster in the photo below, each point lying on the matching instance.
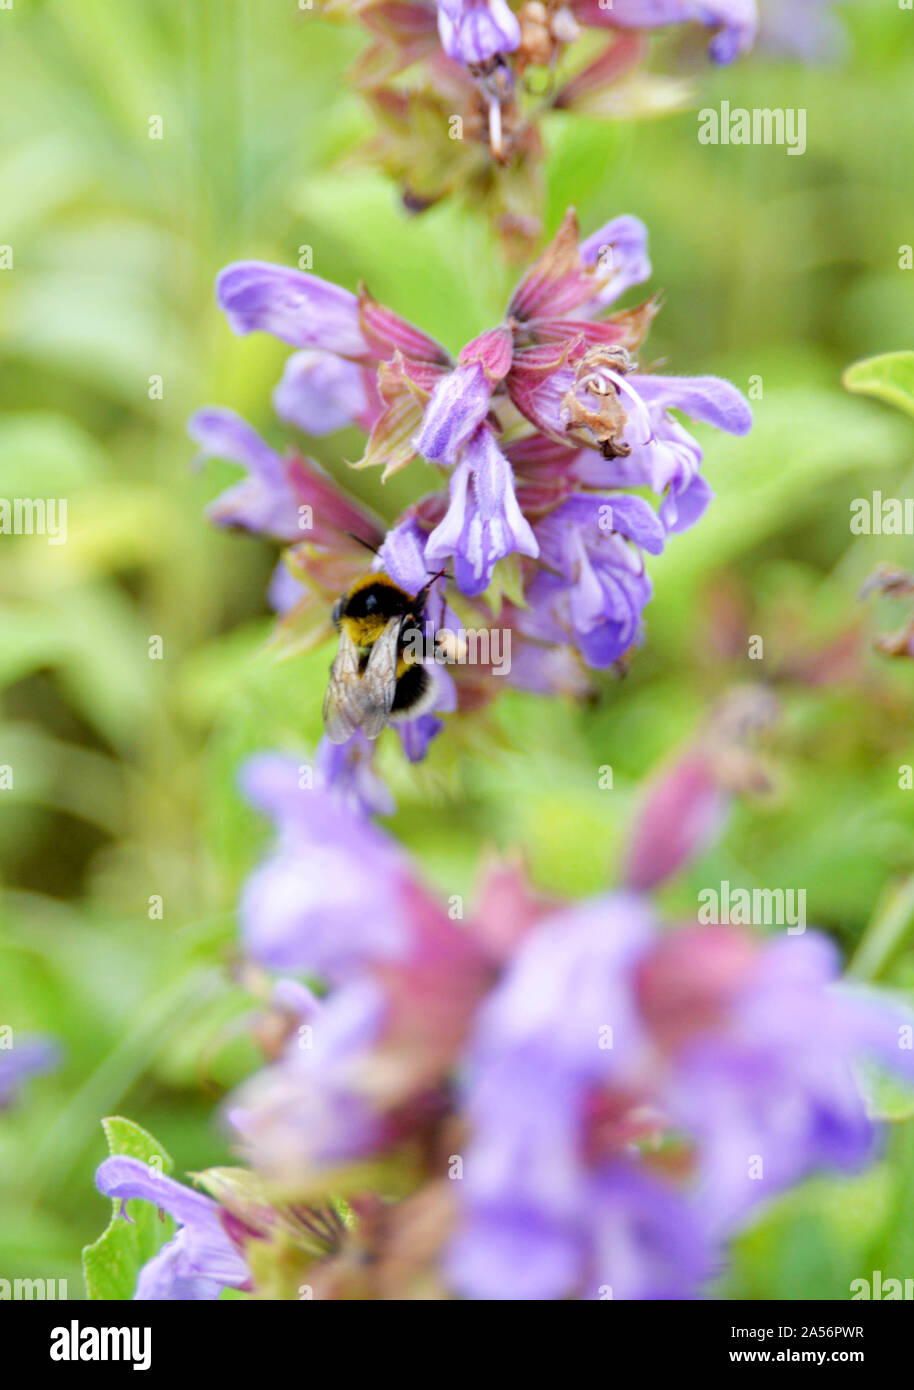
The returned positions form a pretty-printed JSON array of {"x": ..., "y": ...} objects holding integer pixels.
[
  {"x": 541, "y": 429},
  {"x": 618, "y": 1098}
]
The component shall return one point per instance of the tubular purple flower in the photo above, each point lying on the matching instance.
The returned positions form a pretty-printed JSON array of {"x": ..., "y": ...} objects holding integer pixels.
[
  {"x": 311, "y": 1108},
  {"x": 474, "y": 31},
  {"x": 28, "y": 1057},
  {"x": 348, "y": 770},
  {"x": 201, "y": 1260},
  {"x": 619, "y": 247},
  {"x": 595, "y": 589},
  {"x": 483, "y": 522},
  {"x": 540, "y": 1221},
  {"x": 737, "y": 19},
  {"x": 266, "y": 502},
  {"x": 663, "y": 455},
  {"x": 770, "y": 1093},
  {"x": 332, "y": 894},
  {"x": 320, "y": 392},
  {"x": 299, "y": 308},
  {"x": 458, "y": 406},
  {"x": 288, "y": 499}
]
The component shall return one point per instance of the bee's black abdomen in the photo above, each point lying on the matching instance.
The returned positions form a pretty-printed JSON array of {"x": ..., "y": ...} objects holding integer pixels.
[
  {"x": 377, "y": 600},
  {"x": 412, "y": 688}
]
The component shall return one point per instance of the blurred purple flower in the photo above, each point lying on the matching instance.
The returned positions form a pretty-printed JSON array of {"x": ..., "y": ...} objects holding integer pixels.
[
  {"x": 769, "y": 1094},
  {"x": 334, "y": 892},
  {"x": 266, "y": 502},
  {"x": 473, "y": 31},
  {"x": 288, "y": 499},
  {"x": 804, "y": 29},
  {"x": 735, "y": 20},
  {"x": 310, "y": 1108},
  {"x": 541, "y": 1218},
  {"x": 348, "y": 770},
  {"x": 27, "y": 1057}
]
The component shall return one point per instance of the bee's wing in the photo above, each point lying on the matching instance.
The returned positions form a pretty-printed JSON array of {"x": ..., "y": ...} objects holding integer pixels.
[
  {"x": 379, "y": 682},
  {"x": 344, "y": 700}
]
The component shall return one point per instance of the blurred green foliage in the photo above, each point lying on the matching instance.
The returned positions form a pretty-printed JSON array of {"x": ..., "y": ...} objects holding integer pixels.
[{"x": 124, "y": 767}]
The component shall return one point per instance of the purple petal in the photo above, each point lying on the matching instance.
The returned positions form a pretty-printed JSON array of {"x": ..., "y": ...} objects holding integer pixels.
[
  {"x": 300, "y": 309},
  {"x": 265, "y": 503},
  {"x": 330, "y": 897},
  {"x": 320, "y": 392},
  {"x": 473, "y": 31},
  {"x": 483, "y": 522},
  {"x": 738, "y": 19},
  {"x": 706, "y": 398},
  {"x": 458, "y": 405},
  {"x": 202, "y": 1250},
  {"x": 284, "y": 590},
  {"x": 620, "y": 247}
]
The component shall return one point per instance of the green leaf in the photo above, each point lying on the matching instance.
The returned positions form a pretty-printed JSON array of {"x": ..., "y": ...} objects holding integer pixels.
[
  {"x": 885, "y": 1097},
  {"x": 889, "y": 377},
  {"x": 111, "y": 1265}
]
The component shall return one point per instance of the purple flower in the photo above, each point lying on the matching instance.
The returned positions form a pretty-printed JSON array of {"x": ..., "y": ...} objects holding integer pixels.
[
  {"x": 284, "y": 591},
  {"x": 311, "y": 1108},
  {"x": 483, "y": 522},
  {"x": 737, "y": 20},
  {"x": 771, "y": 1096},
  {"x": 540, "y": 1219},
  {"x": 301, "y": 309},
  {"x": 656, "y": 451},
  {"x": 593, "y": 587},
  {"x": 473, "y": 31},
  {"x": 568, "y": 367},
  {"x": 202, "y": 1259},
  {"x": 619, "y": 249},
  {"x": 320, "y": 392},
  {"x": 266, "y": 502},
  {"x": 288, "y": 499},
  {"x": 348, "y": 770},
  {"x": 458, "y": 406},
  {"x": 26, "y": 1058},
  {"x": 804, "y": 29},
  {"x": 334, "y": 893}
]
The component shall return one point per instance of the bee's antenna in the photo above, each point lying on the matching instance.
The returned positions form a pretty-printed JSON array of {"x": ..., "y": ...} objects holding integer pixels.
[
  {"x": 367, "y": 544},
  {"x": 442, "y": 574}
]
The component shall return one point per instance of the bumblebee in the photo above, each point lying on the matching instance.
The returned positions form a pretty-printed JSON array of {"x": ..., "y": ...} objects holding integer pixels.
[{"x": 378, "y": 672}]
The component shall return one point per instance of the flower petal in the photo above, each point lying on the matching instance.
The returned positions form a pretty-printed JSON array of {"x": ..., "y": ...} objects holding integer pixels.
[{"x": 299, "y": 308}]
